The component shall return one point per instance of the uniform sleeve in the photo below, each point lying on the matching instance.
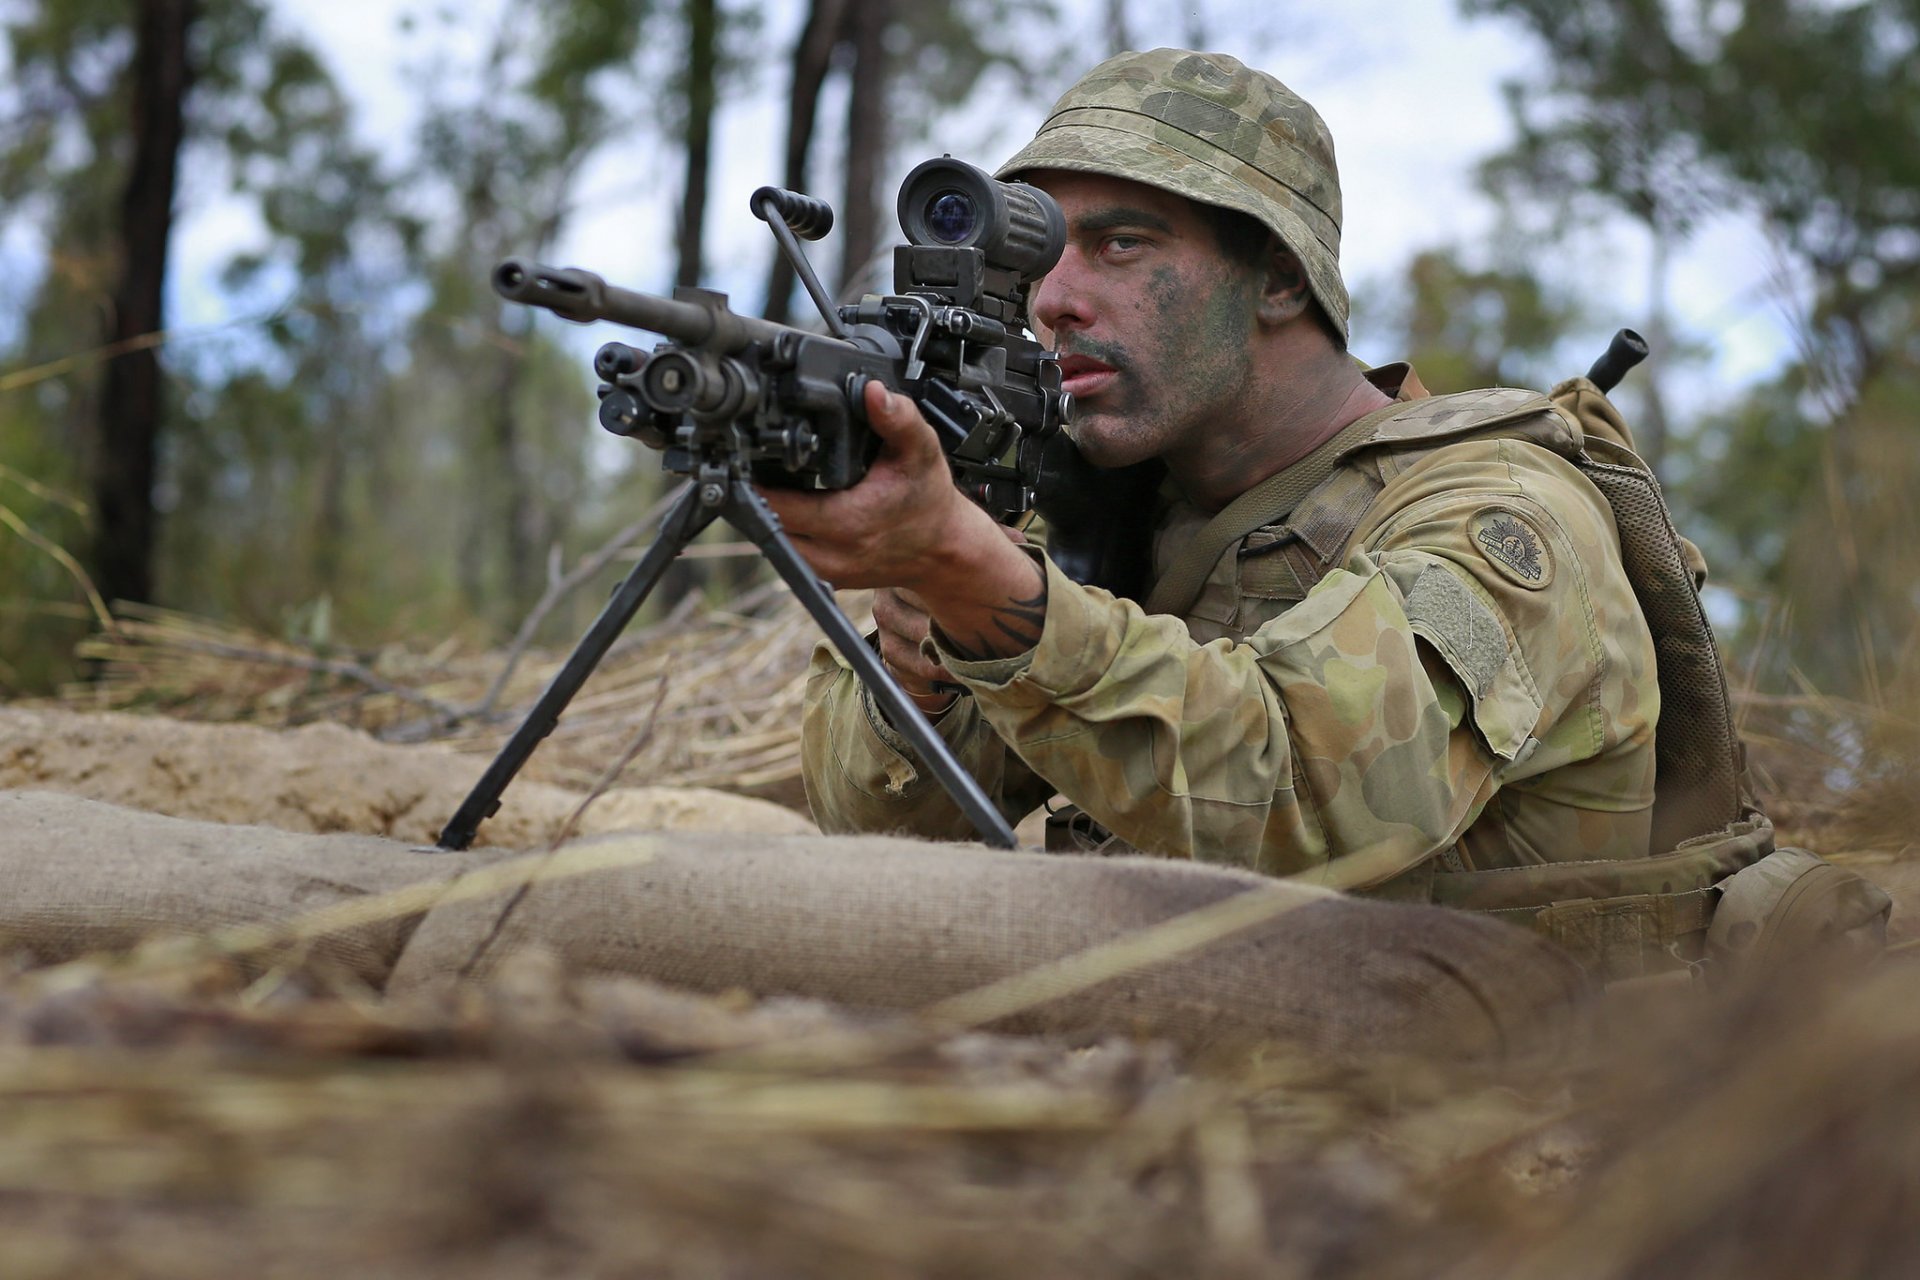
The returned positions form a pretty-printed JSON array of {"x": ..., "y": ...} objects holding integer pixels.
[
  {"x": 1372, "y": 721},
  {"x": 1323, "y": 734},
  {"x": 861, "y": 775}
]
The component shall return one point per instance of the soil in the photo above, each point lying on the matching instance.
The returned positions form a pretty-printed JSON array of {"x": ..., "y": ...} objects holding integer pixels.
[{"x": 325, "y": 778}]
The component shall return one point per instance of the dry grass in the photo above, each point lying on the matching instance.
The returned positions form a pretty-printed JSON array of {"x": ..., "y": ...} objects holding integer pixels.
[
  {"x": 170, "y": 1116},
  {"x": 165, "y": 1116},
  {"x": 724, "y": 686}
]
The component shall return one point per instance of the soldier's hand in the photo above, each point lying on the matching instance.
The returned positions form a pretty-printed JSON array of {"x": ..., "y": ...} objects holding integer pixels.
[
  {"x": 896, "y": 526},
  {"x": 905, "y": 525},
  {"x": 902, "y": 621}
]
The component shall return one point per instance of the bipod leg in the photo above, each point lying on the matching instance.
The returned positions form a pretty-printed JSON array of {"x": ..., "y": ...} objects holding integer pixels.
[
  {"x": 684, "y": 520},
  {"x": 746, "y": 511}
]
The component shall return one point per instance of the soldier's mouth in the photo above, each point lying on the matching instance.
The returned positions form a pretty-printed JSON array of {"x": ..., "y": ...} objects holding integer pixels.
[{"x": 1083, "y": 376}]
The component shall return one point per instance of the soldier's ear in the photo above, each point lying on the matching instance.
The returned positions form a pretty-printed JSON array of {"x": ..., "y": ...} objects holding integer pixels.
[{"x": 1284, "y": 293}]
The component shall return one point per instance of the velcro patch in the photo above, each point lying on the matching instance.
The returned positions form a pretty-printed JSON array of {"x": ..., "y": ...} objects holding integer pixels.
[
  {"x": 1512, "y": 546},
  {"x": 1459, "y": 623}
]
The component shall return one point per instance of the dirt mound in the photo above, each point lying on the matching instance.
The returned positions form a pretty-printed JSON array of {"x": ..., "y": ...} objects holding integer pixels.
[{"x": 325, "y": 778}]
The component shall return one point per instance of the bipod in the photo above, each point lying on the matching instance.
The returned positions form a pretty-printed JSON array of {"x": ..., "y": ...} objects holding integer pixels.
[{"x": 723, "y": 494}]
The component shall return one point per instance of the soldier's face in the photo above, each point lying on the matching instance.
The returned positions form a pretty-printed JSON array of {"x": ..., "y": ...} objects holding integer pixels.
[{"x": 1153, "y": 321}]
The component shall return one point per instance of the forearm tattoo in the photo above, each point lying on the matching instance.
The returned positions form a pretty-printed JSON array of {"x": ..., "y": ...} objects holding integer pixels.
[{"x": 1017, "y": 623}]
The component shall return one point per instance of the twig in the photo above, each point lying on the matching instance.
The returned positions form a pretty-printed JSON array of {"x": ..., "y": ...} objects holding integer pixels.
[
  {"x": 138, "y": 342},
  {"x": 614, "y": 770},
  {"x": 322, "y": 666},
  {"x": 559, "y": 590},
  {"x": 44, "y": 492},
  {"x": 65, "y": 561},
  {"x": 81, "y": 359},
  {"x": 566, "y": 830}
]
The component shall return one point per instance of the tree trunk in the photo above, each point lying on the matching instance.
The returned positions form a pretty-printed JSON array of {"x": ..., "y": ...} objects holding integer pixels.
[
  {"x": 812, "y": 59},
  {"x": 1119, "y": 39},
  {"x": 126, "y": 448},
  {"x": 867, "y": 22},
  {"x": 702, "y": 57},
  {"x": 1652, "y": 431}
]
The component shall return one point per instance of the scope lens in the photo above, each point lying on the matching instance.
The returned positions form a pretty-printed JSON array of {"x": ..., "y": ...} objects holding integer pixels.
[{"x": 951, "y": 217}]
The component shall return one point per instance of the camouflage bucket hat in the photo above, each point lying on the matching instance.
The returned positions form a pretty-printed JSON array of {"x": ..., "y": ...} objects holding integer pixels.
[{"x": 1205, "y": 126}]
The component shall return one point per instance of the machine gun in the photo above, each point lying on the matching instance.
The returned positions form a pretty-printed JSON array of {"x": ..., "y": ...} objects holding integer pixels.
[{"x": 734, "y": 402}]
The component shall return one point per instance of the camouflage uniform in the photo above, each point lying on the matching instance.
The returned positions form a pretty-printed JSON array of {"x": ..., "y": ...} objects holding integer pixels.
[
  {"x": 1474, "y": 680},
  {"x": 1466, "y": 678}
]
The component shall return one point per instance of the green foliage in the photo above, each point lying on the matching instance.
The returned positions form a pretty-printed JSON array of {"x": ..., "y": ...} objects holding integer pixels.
[
  {"x": 943, "y": 51},
  {"x": 62, "y": 114},
  {"x": 1465, "y": 327},
  {"x": 1814, "y": 523},
  {"x": 1807, "y": 113},
  {"x": 557, "y": 83},
  {"x": 43, "y": 606},
  {"x": 1805, "y": 110},
  {"x": 380, "y": 438}
]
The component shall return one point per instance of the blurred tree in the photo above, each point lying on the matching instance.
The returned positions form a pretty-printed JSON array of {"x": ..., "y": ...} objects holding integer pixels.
[
  {"x": 1806, "y": 112},
  {"x": 556, "y": 83},
  {"x": 1465, "y": 327},
  {"x": 811, "y": 60},
  {"x": 1604, "y": 131},
  {"x": 908, "y": 67},
  {"x": 107, "y": 102},
  {"x": 96, "y": 117},
  {"x": 866, "y": 44},
  {"x": 1813, "y": 523},
  {"x": 292, "y": 439},
  {"x": 1119, "y": 32},
  {"x": 130, "y": 397},
  {"x": 702, "y": 19}
]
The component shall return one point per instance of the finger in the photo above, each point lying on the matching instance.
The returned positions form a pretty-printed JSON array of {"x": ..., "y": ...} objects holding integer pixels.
[
  {"x": 1017, "y": 537},
  {"x": 898, "y": 421},
  {"x": 803, "y": 514},
  {"x": 910, "y": 666}
]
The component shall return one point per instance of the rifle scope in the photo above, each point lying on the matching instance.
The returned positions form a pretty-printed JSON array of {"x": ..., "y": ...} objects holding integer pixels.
[{"x": 947, "y": 203}]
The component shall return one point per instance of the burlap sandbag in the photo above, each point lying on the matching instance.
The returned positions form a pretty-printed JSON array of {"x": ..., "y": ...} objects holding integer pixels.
[
  {"x": 868, "y": 921},
  {"x": 79, "y": 876},
  {"x": 901, "y": 924}
]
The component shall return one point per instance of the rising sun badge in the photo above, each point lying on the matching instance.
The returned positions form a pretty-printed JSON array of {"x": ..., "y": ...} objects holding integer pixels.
[{"x": 1512, "y": 546}]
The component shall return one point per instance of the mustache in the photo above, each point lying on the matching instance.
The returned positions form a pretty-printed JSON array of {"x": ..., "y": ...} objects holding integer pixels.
[{"x": 1111, "y": 354}]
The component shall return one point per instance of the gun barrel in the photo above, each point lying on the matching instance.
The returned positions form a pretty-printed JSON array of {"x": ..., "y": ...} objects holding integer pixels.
[{"x": 579, "y": 295}]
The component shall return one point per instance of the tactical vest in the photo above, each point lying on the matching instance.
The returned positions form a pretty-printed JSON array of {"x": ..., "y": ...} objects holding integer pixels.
[{"x": 1623, "y": 918}]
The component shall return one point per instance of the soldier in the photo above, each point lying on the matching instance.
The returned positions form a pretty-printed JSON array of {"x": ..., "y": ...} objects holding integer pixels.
[{"x": 1388, "y": 636}]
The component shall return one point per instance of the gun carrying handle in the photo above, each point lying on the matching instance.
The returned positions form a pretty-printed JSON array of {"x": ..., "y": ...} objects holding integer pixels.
[{"x": 787, "y": 212}]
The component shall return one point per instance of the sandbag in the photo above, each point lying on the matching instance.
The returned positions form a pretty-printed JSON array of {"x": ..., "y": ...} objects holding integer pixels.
[
  {"x": 871, "y": 922},
  {"x": 900, "y": 924},
  {"x": 79, "y": 876}
]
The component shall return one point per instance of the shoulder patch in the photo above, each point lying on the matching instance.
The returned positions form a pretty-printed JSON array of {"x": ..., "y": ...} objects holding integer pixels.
[
  {"x": 1446, "y": 611},
  {"x": 1512, "y": 545}
]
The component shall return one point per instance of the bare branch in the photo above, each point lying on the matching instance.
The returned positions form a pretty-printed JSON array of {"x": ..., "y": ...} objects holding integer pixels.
[
  {"x": 322, "y": 666},
  {"x": 559, "y": 590}
]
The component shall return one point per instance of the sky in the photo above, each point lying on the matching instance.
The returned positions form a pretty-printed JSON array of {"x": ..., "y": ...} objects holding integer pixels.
[{"x": 1410, "y": 90}]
